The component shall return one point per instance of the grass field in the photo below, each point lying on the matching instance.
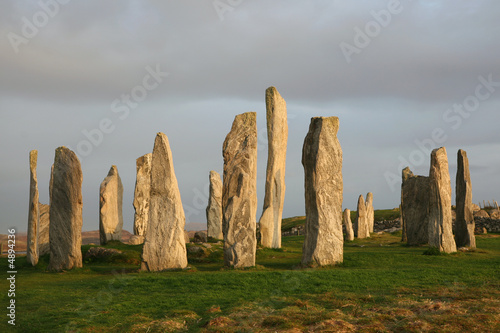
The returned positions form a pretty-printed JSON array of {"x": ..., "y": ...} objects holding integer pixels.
[{"x": 382, "y": 286}]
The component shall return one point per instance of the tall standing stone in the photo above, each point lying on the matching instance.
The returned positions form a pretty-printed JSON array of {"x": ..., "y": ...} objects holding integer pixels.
[
  {"x": 214, "y": 208},
  {"x": 164, "y": 247},
  {"x": 111, "y": 207},
  {"x": 322, "y": 161},
  {"x": 43, "y": 230},
  {"x": 440, "y": 223},
  {"x": 33, "y": 212},
  {"x": 415, "y": 208},
  {"x": 348, "y": 225},
  {"x": 277, "y": 135},
  {"x": 370, "y": 212},
  {"x": 142, "y": 196},
  {"x": 464, "y": 223},
  {"x": 239, "y": 192},
  {"x": 361, "y": 227},
  {"x": 65, "y": 229}
]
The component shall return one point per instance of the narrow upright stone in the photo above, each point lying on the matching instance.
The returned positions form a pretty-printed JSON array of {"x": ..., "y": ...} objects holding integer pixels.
[
  {"x": 464, "y": 223},
  {"x": 239, "y": 192},
  {"x": 33, "y": 212},
  {"x": 322, "y": 161},
  {"x": 43, "y": 230},
  {"x": 370, "y": 212},
  {"x": 164, "y": 247},
  {"x": 415, "y": 208},
  {"x": 348, "y": 225},
  {"x": 214, "y": 208},
  {"x": 111, "y": 207},
  {"x": 65, "y": 229},
  {"x": 361, "y": 227},
  {"x": 440, "y": 224},
  {"x": 142, "y": 196},
  {"x": 277, "y": 135}
]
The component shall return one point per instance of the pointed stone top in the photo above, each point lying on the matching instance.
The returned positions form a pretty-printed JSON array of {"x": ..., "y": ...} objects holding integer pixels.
[
  {"x": 407, "y": 173},
  {"x": 247, "y": 118},
  {"x": 113, "y": 170},
  {"x": 361, "y": 200},
  {"x": 214, "y": 174},
  {"x": 369, "y": 197},
  {"x": 439, "y": 151}
]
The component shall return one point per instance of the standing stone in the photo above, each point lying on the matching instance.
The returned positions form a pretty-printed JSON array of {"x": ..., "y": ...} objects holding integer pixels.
[
  {"x": 214, "y": 208},
  {"x": 348, "y": 225},
  {"x": 415, "y": 208},
  {"x": 277, "y": 134},
  {"x": 164, "y": 247},
  {"x": 43, "y": 230},
  {"x": 65, "y": 229},
  {"x": 322, "y": 161},
  {"x": 142, "y": 197},
  {"x": 239, "y": 192},
  {"x": 33, "y": 213},
  {"x": 361, "y": 227},
  {"x": 370, "y": 212},
  {"x": 440, "y": 224},
  {"x": 464, "y": 223},
  {"x": 111, "y": 207}
]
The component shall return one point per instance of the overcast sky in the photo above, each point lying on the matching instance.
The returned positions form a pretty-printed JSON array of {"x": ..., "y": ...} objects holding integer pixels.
[{"x": 403, "y": 77}]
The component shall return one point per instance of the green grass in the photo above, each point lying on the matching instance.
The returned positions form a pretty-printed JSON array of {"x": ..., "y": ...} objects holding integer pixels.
[{"x": 381, "y": 285}]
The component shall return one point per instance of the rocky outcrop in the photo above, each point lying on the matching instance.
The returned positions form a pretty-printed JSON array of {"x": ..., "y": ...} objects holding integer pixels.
[
  {"x": 277, "y": 134},
  {"x": 415, "y": 208},
  {"x": 141, "y": 196},
  {"x": 239, "y": 192},
  {"x": 65, "y": 229},
  {"x": 164, "y": 247},
  {"x": 43, "y": 230},
  {"x": 440, "y": 222},
  {"x": 111, "y": 207},
  {"x": 214, "y": 208},
  {"x": 370, "y": 212},
  {"x": 464, "y": 223},
  {"x": 322, "y": 161},
  {"x": 348, "y": 225},
  {"x": 361, "y": 227},
  {"x": 33, "y": 212}
]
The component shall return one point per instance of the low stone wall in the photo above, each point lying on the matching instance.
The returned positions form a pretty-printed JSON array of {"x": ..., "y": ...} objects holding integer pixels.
[{"x": 491, "y": 225}]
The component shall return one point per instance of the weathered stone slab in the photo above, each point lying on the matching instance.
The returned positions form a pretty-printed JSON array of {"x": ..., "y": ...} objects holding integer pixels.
[
  {"x": 43, "y": 230},
  {"x": 65, "y": 229},
  {"x": 33, "y": 212},
  {"x": 464, "y": 222},
  {"x": 214, "y": 208},
  {"x": 239, "y": 192},
  {"x": 370, "y": 212},
  {"x": 111, "y": 207},
  {"x": 277, "y": 134},
  {"x": 440, "y": 223},
  {"x": 322, "y": 161},
  {"x": 164, "y": 247},
  {"x": 415, "y": 207},
  {"x": 348, "y": 225},
  {"x": 142, "y": 196},
  {"x": 361, "y": 227}
]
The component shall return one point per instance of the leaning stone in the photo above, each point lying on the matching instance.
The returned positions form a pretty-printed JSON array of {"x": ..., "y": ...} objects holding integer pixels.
[
  {"x": 110, "y": 207},
  {"x": 322, "y": 161},
  {"x": 348, "y": 225},
  {"x": 415, "y": 208},
  {"x": 142, "y": 194},
  {"x": 464, "y": 222},
  {"x": 370, "y": 212},
  {"x": 65, "y": 229},
  {"x": 164, "y": 247},
  {"x": 33, "y": 212},
  {"x": 277, "y": 134},
  {"x": 214, "y": 208},
  {"x": 43, "y": 230},
  {"x": 239, "y": 192},
  {"x": 440, "y": 223}
]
